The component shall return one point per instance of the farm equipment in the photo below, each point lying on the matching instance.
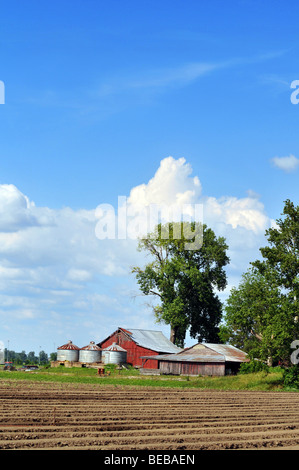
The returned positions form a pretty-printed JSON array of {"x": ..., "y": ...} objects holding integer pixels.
[{"x": 9, "y": 366}]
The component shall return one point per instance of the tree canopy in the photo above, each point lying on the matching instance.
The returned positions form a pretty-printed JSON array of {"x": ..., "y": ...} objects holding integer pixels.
[
  {"x": 185, "y": 280},
  {"x": 262, "y": 312},
  {"x": 282, "y": 253},
  {"x": 258, "y": 318}
]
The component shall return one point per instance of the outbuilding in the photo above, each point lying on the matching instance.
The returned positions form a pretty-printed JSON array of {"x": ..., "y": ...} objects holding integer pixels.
[
  {"x": 201, "y": 359},
  {"x": 139, "y": 343}
]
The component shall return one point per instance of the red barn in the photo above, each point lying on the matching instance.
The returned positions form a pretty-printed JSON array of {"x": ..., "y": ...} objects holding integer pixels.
[{"x": 139, "y": 343}]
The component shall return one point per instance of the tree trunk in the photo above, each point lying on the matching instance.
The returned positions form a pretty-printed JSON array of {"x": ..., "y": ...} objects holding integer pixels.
[
  {"x": 177, "y": 335},
  {"x": 172, "y": 334}
]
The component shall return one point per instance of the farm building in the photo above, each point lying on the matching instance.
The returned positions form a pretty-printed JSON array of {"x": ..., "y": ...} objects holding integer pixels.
[
  {"x": 201, "y": 359},
  {"x": 139, "y": 343}
]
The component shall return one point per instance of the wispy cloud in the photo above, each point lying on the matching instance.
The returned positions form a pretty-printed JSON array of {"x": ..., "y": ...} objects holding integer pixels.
[
  {"x": 287, "y": 164},
  {"x": 122, "y": 89},
  {"x": 161, "y": 78},
  {"x": 157, "y": 79}
]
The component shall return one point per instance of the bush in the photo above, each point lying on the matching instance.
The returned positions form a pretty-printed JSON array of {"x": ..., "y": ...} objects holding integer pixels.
[
  {"x": 291, "y": 377},
  {"x": 253, "y": 366}
]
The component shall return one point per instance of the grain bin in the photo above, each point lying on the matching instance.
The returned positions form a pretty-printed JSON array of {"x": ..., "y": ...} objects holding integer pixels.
[
  {"x": 68, "y": 352},
  {"x": 90, "y": 353},
  {"x": 114, "y": 354}
]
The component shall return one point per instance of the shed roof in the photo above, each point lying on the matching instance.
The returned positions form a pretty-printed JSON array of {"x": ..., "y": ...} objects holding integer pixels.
[
  {"x": 149, "y": 339},
  {"x": 205, "y": 352},
  {"x": 230, "y": 353}
]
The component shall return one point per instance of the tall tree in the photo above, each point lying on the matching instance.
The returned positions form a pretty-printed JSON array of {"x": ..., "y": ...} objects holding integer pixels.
[
  {"x": 185, "y": 280},
  {"x": 258, "y": 318},
  {"x": 262, "y": 313},
  {"x": 281, "y": 257}
]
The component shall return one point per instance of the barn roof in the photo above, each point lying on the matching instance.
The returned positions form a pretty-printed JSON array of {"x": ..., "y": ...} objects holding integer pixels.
[
  {"x": 149, "y": 339},
  {"x": 205, "y": 352},
  {"x": 154, "y": 340}
]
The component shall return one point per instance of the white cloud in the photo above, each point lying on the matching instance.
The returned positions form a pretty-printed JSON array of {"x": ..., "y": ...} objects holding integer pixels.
[
  {"x": 79, "y": 275},
  {"x": 242, "y": 221},
  {"x": 287, "y": 164},
  {"x": 174, "y": 186},
  {"x": 247, "y": 212},
  {"x": 15, "y": 209},
  {"x": 171, "y": 184}
]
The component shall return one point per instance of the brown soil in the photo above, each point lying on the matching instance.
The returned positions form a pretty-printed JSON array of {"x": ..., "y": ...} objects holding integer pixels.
[{"x": 54, "y": 416}]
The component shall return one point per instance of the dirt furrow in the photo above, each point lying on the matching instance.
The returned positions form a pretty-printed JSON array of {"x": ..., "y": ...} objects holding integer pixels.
[
  {"x": 143, "y": 433},
  {"x": 198, "y": 441}
]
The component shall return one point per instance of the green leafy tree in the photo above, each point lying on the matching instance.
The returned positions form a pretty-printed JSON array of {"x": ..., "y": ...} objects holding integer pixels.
[
  {"x": 53, "y": 356},
  {"x": 258, "y": 318},
  {"x": 185, "y": 280},
  {"x": 281, "y": 257},
  {"x": 43, "y": 357},
  {"x": 22, "y": 357},
  {"x": 31, "y": 358},
  {"x": 262, "y": 313}
]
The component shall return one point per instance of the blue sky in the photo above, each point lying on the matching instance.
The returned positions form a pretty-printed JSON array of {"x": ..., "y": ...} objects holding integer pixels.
[{"x": 99, "y": 94}]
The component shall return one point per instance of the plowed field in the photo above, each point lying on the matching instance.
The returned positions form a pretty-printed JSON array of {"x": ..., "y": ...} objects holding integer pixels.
[{"x": 54, "y": 416}]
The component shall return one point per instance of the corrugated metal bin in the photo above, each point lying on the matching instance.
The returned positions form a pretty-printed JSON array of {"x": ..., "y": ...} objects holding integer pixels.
[
  {"x": 68, "y": 352},
  {"x": 90, "y": 353},
  {"x": 114, "y": 354}
]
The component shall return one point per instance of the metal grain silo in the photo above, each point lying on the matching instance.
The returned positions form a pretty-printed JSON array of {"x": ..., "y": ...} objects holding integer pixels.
[
  {"x": 114, "y": 354},
  {"x": 90, "y": 353},
  {"x": 68, "y": 352}
]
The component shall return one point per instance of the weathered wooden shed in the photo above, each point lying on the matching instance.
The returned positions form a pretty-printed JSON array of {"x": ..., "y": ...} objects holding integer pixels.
[
  {"x": 139, "y": 343},
  {"x": 201, "y": 359}
]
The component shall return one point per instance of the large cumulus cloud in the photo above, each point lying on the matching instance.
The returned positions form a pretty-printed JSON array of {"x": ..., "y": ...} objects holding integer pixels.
[{"x": 54, "y": 270}]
